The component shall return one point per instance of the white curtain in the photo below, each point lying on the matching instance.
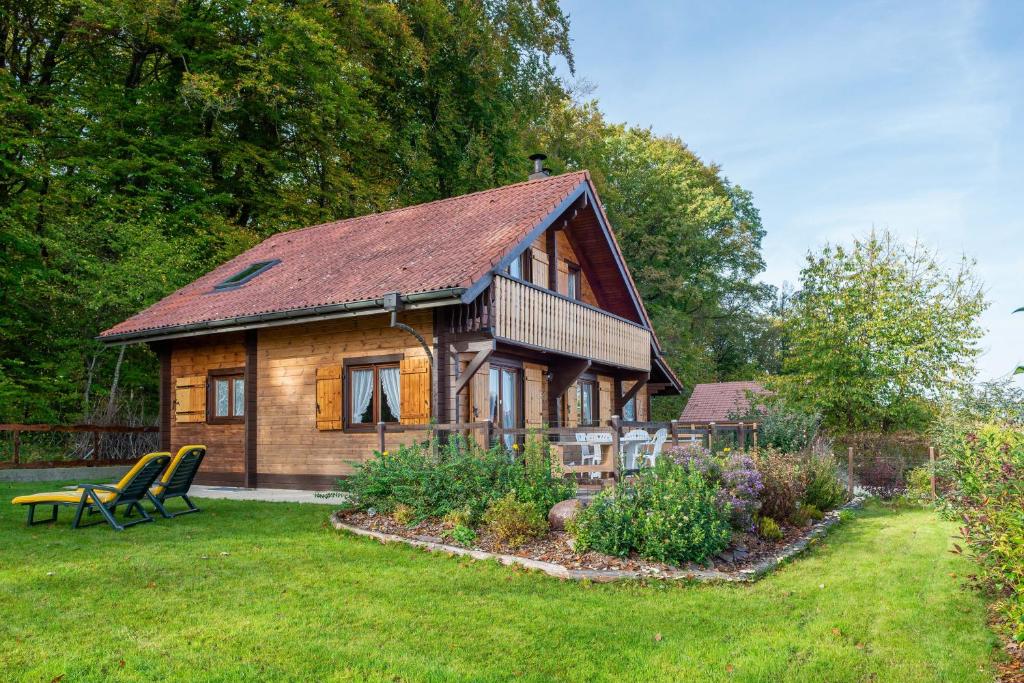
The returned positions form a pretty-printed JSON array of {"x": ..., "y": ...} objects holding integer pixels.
[
  {"x": 362, "y": 393},
  {"x": 389, "y": 382}
]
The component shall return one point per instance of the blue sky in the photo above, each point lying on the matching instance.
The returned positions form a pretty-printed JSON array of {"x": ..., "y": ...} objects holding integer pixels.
[{"x": 839, "y": 117}]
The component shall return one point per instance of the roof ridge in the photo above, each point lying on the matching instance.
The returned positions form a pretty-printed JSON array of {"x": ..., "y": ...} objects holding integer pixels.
[{"x": 584, "y": 173}]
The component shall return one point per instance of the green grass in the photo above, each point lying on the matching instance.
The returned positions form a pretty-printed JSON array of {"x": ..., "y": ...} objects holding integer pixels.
[{"x": 268, "y": 591}]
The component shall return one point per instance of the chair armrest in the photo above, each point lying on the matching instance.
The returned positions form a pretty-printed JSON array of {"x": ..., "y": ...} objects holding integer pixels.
[{"x": 99, "y": 487}]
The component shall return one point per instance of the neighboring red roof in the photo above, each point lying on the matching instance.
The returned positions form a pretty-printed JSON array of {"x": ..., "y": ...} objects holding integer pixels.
[
  {"x": 717, "y": 402},
  {"x": 449, "y": 243}
]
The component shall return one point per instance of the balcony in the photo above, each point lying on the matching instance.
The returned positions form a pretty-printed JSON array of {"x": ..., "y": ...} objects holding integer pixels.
[{"x": 528, "y": 315}]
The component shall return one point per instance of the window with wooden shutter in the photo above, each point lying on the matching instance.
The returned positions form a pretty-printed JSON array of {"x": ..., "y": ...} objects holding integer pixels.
[
  {"x": 190, "y": 399},
  {"x": 414, "y": 375},
  {"x": 328, "y": 397}
]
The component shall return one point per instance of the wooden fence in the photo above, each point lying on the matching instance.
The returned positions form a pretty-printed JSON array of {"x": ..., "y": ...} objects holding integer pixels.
[{"x": 93, "y": 447}]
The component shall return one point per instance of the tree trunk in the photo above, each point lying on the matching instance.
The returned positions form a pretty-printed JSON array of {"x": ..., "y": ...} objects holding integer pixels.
[{"x": 111, "y": 402}]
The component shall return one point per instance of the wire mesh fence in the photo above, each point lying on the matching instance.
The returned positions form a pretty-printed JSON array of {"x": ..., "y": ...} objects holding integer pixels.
[
  {"x": 37, "y": 445},
  {"x": 886, "y": 465}
]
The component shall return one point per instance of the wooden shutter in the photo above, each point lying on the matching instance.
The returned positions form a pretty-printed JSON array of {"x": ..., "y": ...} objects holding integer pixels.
[
  {"x": 539, "y": 268},
  {"x": 604, "y": 400},
  {"x": 570, "y": 407},
  {"x": 533, "y": 399},
  {"x": 480, "y": 395},
  {"x": 328, "y": 397},
  {"x": 190, "y": 399},
  {"x": 414, "y": 374}
]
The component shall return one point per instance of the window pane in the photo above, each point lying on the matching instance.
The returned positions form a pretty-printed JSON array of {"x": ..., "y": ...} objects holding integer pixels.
[
  {"x": 220, "y": 403},
  {"x": 509, "y": 400},
  {"x": 362, "y": 395},
  {"x": 493, "y": 379},
  {"x": 629, "y": 410},
  {"x": 515, "y": 269},
  {"x": 390, "y": 404},
  {"x": 238, "y": 397},
  {"x": 587, "y": 404}
]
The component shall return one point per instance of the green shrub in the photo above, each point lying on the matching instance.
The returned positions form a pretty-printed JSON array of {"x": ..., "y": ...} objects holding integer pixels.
[
  {"x": 919, "y": 486},
  {"x": 671, "y": 514},
  {"x": 782, "y": 483},
  {"x": 608, "y": 524},
  {"x": 462, "y": 516},
  {"x": 813, "y": 512},
  {"x": 436, "y": 479},
  {"x": 768, "y": 528},
  {"x": 462, "y": 535},
  {"x": 822, "y": 486},
  {"x": 987, "y": 466},
  {"x": 782, "y": 427},
  {"x": 403, "y": 514},
  {"x": 513, "y": 522},
  {"x": 800, "y": 517}
]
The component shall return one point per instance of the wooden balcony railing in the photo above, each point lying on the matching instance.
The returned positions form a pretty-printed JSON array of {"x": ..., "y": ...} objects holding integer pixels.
[{"x": 530, "y": 315}]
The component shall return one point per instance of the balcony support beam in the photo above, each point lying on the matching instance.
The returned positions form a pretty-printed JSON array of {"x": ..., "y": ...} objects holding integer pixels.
[
  {"x": 481, "y": 357},
  {"x": 627, "y": 396},
  {"x": 562, "y": 377}
]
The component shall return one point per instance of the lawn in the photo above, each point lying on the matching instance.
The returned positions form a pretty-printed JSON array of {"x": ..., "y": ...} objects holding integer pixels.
[{"x": 269, "y": 591}]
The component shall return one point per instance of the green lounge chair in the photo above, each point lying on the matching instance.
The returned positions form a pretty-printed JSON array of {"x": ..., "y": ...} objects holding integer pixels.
[
  {"x": 129, "y": 491},
  {"x": 177, "y": 480}
]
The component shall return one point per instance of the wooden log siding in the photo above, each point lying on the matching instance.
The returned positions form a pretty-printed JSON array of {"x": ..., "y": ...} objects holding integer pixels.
[{"x": 528, "y": 315}]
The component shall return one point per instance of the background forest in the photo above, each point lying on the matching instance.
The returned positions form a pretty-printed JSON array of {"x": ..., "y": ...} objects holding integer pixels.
[{"x": 143, "y": 143}]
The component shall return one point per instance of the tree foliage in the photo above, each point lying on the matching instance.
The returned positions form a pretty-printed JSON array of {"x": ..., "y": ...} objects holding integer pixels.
[
  {"x": 878, "y": 331},
  {"x": 142, "y": 143},
  {"x": 691, "y": 237}
]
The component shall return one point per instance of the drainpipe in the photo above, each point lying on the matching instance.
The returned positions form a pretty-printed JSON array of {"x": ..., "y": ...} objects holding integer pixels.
[{"x": 393, "y": 302}]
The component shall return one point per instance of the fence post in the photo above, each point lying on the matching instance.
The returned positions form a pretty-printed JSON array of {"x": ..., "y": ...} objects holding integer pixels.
[
  {"x": 16, "y": 453},
  {"x": 753, "y": 434},
  {"x": 96, "y": 445},
  {"x": 849, "y": 471},
  {"x": 741, "y": 438},
  {"x": 380, "y": 436},
  {"x": 616, "y": 460},
  {"x": 712, "y": 435},
  {"x": 674, "y": 427},
  {"x": 931, "y": 461}
]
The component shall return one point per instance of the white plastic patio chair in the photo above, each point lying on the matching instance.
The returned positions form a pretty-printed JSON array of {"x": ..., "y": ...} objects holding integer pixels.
[
  {"x": 652, "y": 449},
  {"x": 590, "y": 453},
  {"x": 632, "y": 442}
]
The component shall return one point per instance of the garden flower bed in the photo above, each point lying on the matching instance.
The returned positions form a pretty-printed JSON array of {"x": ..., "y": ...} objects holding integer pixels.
[
  {"x": 723, "y": 516},
  {"x": 747, "y": 558}
]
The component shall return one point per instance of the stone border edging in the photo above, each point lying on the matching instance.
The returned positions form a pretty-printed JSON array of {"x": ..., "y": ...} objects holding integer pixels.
[{"x": 748, "y": 575}]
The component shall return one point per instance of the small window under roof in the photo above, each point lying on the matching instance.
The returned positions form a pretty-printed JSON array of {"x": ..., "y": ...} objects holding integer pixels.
[{"x": 246, "y": 274}]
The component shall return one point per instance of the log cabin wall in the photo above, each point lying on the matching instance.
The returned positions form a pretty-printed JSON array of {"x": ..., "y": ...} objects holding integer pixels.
[
  {"x": 292, "y": 451},
  {"x": 566, "y": 254},
  {"x": 225, "y": 459}
]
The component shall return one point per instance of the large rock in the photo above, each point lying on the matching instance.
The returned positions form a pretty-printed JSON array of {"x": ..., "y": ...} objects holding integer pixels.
[{"x": 562, "y": 512}]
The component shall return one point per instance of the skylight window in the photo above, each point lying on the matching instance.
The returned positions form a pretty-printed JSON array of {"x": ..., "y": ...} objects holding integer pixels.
[{"x": 246, "y": 274}]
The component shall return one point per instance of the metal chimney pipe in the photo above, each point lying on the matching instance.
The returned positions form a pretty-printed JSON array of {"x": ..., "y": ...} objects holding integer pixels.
[{"x": 538, "y": 166}]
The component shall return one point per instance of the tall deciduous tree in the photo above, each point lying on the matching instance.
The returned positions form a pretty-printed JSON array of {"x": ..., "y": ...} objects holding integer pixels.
[
  {"x": 879, "y": 330},
  {"x": 142, "y": 143},
  {"x": 692, "y": 240}
]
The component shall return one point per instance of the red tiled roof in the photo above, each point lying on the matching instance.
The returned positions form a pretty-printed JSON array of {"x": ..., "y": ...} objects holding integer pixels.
[
  {"x": 428, "y": 247},
  {"x": 715, "y": 402}
]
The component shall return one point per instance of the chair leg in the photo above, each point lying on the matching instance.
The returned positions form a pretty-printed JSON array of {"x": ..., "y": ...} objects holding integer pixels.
[
  {"x": 108, "y": 515},
  {"x": 191, "y": 506},
  {"x": 158, "y": 506},
  {"x": 32, "y": 512}
]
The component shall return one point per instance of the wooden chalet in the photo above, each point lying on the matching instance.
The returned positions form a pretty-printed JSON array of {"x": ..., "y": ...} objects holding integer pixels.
[{"x": 512, "y": 307}]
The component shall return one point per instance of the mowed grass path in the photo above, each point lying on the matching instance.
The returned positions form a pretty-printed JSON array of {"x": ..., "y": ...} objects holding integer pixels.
[{"x": 268, "y": 591}]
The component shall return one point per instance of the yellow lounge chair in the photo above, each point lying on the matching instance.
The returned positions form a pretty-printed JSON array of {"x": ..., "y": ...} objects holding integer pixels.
[
  {"x": 130, "y": 490},
  {"x": 177, "y": 480}
]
